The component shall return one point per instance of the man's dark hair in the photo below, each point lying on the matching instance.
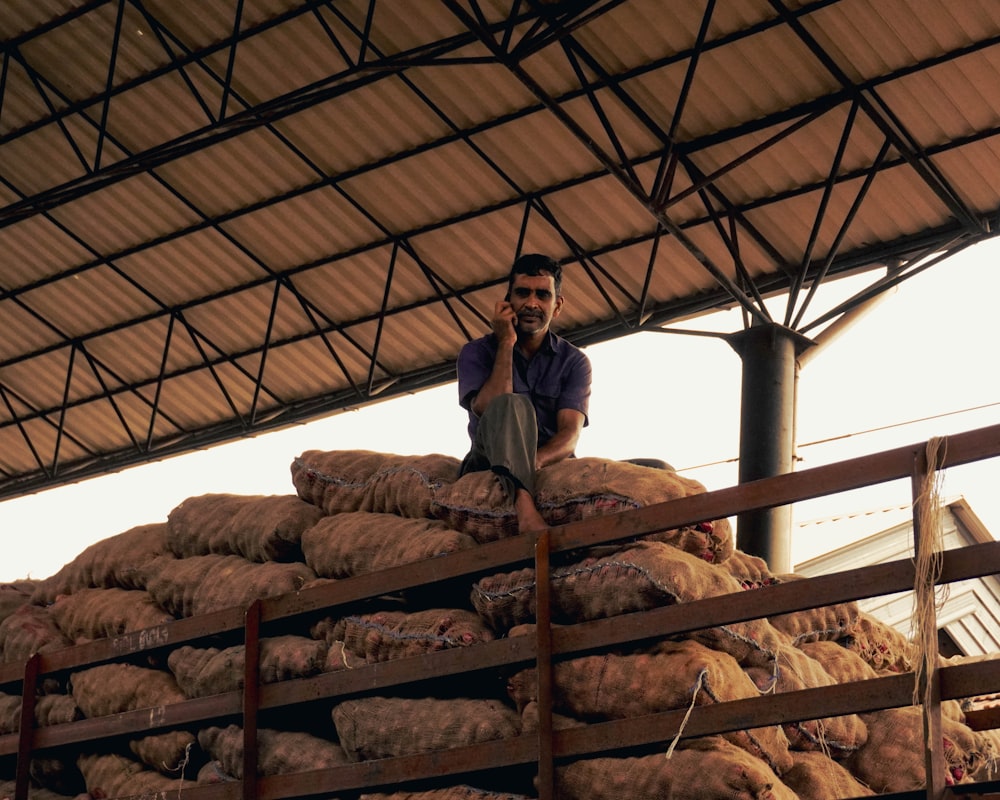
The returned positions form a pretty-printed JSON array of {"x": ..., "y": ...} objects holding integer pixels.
[{"x": 535, "y": 264}]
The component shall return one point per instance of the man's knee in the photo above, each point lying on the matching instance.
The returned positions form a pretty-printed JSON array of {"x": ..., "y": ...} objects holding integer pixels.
[{"x": 511, "y": 403}]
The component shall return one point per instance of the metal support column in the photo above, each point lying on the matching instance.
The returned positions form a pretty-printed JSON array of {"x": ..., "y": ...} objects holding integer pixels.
[{"x": 767, "y": 433}]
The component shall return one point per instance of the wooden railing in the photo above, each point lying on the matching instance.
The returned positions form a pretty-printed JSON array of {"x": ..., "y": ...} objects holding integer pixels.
[{"x": 541, "y": 751}]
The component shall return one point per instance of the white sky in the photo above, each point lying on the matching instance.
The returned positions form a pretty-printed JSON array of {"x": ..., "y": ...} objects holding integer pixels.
[{"x": 925, "y": 353}]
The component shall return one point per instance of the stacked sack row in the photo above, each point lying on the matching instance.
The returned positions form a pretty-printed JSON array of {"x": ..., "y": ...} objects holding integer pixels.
[{"x": 355, "y": 512}]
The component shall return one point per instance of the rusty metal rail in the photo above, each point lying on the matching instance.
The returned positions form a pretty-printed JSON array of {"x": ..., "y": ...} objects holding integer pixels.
[{"x": 544, "y": 750}]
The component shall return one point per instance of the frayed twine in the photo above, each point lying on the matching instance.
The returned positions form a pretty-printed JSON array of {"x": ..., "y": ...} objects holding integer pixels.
[
  {"x": 694, "y": 697},
  {"x": 181, "y": 766}
]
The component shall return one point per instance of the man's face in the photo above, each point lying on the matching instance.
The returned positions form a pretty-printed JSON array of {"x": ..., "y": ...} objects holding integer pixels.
[{"x": 534, "y": 300}]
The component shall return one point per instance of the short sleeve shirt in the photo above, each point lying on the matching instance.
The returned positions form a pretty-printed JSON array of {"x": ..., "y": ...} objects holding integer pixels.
[{"x": 557, "y": 377}]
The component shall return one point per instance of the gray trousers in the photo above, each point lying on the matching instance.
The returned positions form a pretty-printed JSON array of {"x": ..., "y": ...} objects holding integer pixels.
[{"x": 506, "y": 442}]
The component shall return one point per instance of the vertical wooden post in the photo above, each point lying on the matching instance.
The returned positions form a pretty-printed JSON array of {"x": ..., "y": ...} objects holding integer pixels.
[
  {"x": 26, "y": 732},
  {"x": 928, "y": 686},
  {"x": 251, "y": 698},
  {"x": 543, "y": 664}
]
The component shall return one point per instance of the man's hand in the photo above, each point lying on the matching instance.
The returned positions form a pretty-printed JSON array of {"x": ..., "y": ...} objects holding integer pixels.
[{"x": 504, "y": 321}]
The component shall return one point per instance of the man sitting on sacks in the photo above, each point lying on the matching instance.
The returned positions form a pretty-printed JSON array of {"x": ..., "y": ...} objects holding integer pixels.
[{"x": 526, "y": 389}]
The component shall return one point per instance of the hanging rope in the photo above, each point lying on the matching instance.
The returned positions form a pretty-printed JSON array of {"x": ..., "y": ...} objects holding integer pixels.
[
  {"x": 694, "y": 697},
  {"x": 928, "y": 563}
]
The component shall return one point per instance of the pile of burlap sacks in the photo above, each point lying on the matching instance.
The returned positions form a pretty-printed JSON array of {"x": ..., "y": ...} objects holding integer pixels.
[{"x": 355, "y": 512}]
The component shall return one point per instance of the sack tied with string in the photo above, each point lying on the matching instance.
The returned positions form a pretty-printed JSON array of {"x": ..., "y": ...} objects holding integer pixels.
[
  {"x": 339, "y": 481},
  {"x": 795, "y": 670},
  {"x": 257, "y": 527},
  {"x": 679, "y": 675},
  {"x": 644, "y": 576},
  {"x": 186, "y": 587},
  {"x": 384, "y": 727},
  {"x": 114, "y": 562},
  {"x": 706, "y": 769},
  {"x": 576, "y": 489},
  {"x": 278, "y": 752},
  {"x": 354, "y": 543}
]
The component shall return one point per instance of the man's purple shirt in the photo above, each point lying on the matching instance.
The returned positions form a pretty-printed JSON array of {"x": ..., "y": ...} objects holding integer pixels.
[{"x": 557, "y": 377}]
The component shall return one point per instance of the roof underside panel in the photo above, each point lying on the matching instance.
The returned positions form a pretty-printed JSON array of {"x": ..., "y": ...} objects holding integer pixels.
[{"x": 219, "y": 218}]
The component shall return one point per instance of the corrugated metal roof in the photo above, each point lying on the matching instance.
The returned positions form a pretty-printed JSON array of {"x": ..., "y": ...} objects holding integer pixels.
[{"x": 220, "y": 217}]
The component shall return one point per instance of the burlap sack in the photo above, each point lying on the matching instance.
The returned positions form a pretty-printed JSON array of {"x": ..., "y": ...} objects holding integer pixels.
[
  {"x": 34, "y": 793},
  {"x": 682, "y": 674},
  {"x": 708, "y": 769},
  {"x": 354, "y": 543},
  {"x": 385, "y": 635},
  {"x": 186, "y": 587},
  {"x": 114, "y": 688},
  {"x": 751, "y": 571},
  {"x": 531, "y": 722},
  {"x": 647, "y": 575},
  {"x": 843, "y": 665},
  {"x": 56, "y": 709},
  {"x": 383, "y": 727},
  {"x": 168, "y": 753},
  {"x": 881, "y": 646},
  {"x": 15, "y": 594},
  {"x": 204, "y": 671},
  {"x": 89, "y": 614},
  {"x": 892, "y": 760},
  {"x": 28, "y": 630},
  {"x": 50, "y": 709},
  {"x": 257, "y": 527},
  {"x": 794, "y": 671},
  {"x": 815, "y": 776},
  {"x": 985, "y": 764},
  {"x": 827, "y": 623},
  {"x": 57, "y": 773},
  {"x": 638, "y": 578},
  {"x": 577, "y": 489},
  {"x": 112, "y": 775},
  {"x": 447, "y": 793},
  {"x": 338, "y": 657},
  {"x": 362, "y": 480},
  {"x": 278, "y": 752},
  {"x": 10, "y": 713},
  {"x": 115, "y": 562},
  {"x": 212, "y": 773}
]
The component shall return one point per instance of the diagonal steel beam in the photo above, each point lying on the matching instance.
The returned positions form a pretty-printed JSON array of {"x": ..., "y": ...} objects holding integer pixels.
[
  {"x": 882, "y": 116},
  {"x": 613, "y": 168}
]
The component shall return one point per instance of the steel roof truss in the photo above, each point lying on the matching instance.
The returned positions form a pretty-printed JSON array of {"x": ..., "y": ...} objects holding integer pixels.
[
  {"x": 882, "y": 116},
  {"x": 15, "y": 417},
  {"x": 109, "y": 396},
  {"x": 39, "y": 82},
  {"x": 852, "y": 212},
  {"x": 154, "y": 411},
  {"x": 61, "y": 426},
  {"x": 310, "y": 311},
  {"x": 231, "y": 61},
  {"x": 654, "y": 248},
  {"x": 820, "y": 218},
  {"x": 265, "y": 349},
  {"x": 612, "y": 166},
  {"x": 106, "y": 102},
  {"x": 934, "y": 253},
  {"x": 161, "y": 33},
  {"x": 381, "y": 317},
  {"x": 730, "y": 238}
]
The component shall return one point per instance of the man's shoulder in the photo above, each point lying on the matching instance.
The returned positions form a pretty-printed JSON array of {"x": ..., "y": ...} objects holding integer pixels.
[
  {"x": 487, "y": 342},
  {"x": 565, "y": 348}
]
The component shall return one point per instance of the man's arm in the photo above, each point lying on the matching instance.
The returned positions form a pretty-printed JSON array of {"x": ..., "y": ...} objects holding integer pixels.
[
  {"x": 501, "y": 378},
  {"x": 562, "y": 444}
]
